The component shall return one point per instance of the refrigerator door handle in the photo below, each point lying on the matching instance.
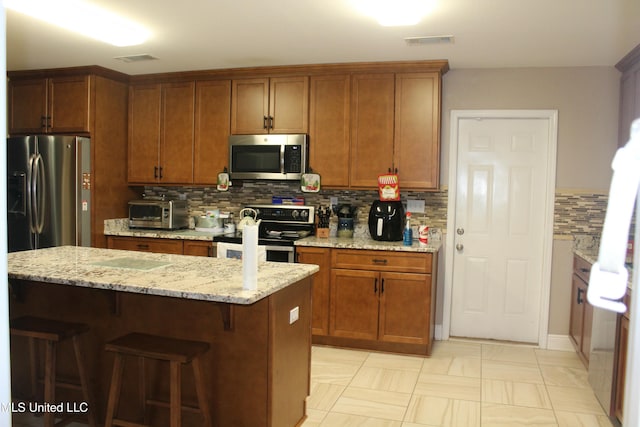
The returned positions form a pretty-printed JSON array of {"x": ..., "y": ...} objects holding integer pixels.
[
  {"x": 31, "y": 190},
  {"x": 40, "y": 204}
]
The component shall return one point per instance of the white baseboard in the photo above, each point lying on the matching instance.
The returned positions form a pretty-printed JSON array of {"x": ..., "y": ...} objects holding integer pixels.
[
  {"x": 559, "y": 342},
  {"x": 437, "y": 332}
]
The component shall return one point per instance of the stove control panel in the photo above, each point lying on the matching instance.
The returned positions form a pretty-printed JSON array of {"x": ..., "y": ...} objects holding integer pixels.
[{"x": 285, "y": 213}]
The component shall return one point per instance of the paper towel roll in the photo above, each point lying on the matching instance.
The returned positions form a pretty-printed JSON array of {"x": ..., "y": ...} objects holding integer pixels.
[{"x": 250, "y": 257}]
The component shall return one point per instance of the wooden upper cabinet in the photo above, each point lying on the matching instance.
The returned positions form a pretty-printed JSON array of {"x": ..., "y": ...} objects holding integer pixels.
[
  {"x": 178, "y": 130},
  {"x": 49, "y": 105},
  {"x": 161, "y": 133},
  {"x": 144, "y": 132},
  {"x": 212, "y": 121},
  {"x": 417, "y": 130},
  {"x": 329, "y": 118},
  {"x": 270, "y": 105},
  {"x": 372, "y": 120},
  {"x": 395, "y": 126}
]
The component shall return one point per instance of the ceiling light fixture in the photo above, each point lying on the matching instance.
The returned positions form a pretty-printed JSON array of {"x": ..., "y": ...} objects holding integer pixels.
[
  {"x": 83, "y": 18},
  {"x": 390, "y": 13}
]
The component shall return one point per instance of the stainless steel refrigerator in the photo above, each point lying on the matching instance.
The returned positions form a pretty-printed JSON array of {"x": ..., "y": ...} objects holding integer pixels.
[{"x": 49, "y": 191}]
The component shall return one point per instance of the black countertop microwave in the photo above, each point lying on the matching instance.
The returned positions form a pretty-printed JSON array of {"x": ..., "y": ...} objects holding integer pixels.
[{"x": 278, "y": 157}]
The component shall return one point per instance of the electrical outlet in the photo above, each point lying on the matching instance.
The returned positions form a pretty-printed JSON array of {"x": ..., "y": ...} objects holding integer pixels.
[
  {"x": 333, "y": 201},
  {"x": 294, "y": 315},
  {"x": 415, "y": 206}
]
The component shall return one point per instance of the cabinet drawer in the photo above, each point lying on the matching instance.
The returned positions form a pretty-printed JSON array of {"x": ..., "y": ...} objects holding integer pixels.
[
  {"x": 142, "y": 244},
  {"x": 582, "y": 268},
  {"x": 408, "y": 262}
]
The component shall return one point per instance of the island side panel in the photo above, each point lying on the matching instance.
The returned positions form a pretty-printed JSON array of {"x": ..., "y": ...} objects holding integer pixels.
[
  {"x": 238, "y": 366},
  {"x": 290, "y": 354}
]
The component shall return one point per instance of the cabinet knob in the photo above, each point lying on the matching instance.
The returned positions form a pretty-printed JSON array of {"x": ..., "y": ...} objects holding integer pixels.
[{"x": 459, "y": 246}]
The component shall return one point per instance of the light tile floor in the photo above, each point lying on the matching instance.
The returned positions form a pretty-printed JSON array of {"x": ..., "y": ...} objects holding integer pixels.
[{"x": 462, "y": 384}]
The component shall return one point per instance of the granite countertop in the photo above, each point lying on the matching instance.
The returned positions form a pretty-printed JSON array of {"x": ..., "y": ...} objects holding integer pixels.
[
  {"x": 120, "y": 227},
  {"x": 366, "y": 243},
  {"x": 180, "y": 276}
]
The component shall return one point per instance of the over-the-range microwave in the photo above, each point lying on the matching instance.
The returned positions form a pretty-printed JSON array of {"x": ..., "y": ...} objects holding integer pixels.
[{"x": 283, "y": 157}]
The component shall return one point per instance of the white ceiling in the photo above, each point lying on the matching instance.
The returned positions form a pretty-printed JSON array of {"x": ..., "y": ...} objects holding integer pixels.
[{"x": 210, "y": 34}]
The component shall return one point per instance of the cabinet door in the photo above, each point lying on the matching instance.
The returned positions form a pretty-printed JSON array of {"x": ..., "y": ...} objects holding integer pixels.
[
  {"x": 197, "y": 248},
  {"x": 622, "y": 345},
  {"x": 289, "y": 105},
  {"x": 249, "y": 106},
  {"x": 211, "y": 144},
  {"x": 416, "y": 143},
  {"x": 68, "y": 104},
  {"x": 144, "y": 133},
  {"x": 329, "y": 110},
  {"x": 354, "y": 304},
  {"x": 405, "y": 308},
  {"x": 320, "y": 298},
  {"x": 587, "y": 326},
  {"x": 577, "y": 312},
  {"x": 143, "y": 244},
  {"x": 372, "y": 121},
  {"x": 27, "y": 106},
  {"x": 178, "y": 129}
]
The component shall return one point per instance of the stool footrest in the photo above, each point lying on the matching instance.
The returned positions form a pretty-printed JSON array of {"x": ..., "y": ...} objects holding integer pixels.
[{"x": 157, "y": 347}]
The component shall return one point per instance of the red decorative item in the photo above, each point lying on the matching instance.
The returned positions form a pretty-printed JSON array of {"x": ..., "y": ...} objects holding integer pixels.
[{"x": 388, "y": 187}]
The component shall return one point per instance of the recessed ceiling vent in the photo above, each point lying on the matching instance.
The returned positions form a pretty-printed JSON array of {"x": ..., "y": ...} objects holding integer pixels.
[
  {"x": 419, "y": 41},
  {"x": 136, "y": 58}
]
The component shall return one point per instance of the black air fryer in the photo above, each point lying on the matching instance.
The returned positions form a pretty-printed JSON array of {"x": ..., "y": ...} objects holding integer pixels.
[{"x": 386, "y": 220}]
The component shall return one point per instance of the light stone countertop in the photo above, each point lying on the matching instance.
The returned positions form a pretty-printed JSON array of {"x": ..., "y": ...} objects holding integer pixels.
[
  {"x": 180, "y": 276},
  {"x": 366, "y": 243}
]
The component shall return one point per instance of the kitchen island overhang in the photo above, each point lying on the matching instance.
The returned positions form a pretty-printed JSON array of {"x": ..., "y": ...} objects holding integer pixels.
[{"x": 258, "y": 367}]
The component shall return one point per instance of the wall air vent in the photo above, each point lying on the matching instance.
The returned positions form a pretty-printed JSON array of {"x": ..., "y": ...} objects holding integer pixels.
[
  {"x": 419, "y": 41},
  {"x": 136, "y": 58}
]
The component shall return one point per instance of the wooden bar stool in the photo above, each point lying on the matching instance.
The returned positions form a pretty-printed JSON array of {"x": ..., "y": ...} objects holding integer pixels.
[
  {"x": 52, "y": 332},
  {"x": 177, "y": 352}
]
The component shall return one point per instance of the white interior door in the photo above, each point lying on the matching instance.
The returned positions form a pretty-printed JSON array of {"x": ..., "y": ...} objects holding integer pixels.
[{"x": 501, "y": 229}]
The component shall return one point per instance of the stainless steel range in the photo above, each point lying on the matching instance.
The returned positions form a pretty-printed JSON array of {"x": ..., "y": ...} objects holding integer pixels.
[{"x": 280, "y": 227}]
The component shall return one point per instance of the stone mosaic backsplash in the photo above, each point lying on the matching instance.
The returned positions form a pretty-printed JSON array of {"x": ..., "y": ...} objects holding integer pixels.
[{"x": 576, "y": 212}]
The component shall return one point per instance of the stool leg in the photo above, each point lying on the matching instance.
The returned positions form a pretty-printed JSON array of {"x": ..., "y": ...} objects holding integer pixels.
[
  {"x": 142, "y": 387},
  {"x": 33, "y": 362},
  {"x": 175, "y": 397},
  {"x": 84, "y": 381},
  {"x": 114, "y": 390},
  {"x": 50, "y": 381},
  {"x": 201, "y": 391}
]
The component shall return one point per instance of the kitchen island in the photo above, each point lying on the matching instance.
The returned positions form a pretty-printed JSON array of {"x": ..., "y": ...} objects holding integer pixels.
[{"x": 258, "y": 365}]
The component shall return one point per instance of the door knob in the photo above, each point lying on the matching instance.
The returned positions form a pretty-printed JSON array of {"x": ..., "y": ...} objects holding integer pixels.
[
  {"x": 459, "y": 246},
  {"x": 460, "y": 231}
]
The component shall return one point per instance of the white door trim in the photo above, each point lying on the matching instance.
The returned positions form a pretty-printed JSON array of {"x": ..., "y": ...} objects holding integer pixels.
[{"x": 456, "y": 116}]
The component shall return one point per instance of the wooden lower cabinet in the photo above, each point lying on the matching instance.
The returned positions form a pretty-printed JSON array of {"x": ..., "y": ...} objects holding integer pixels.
[
  {"x": 581, "y": 311},
  {"x": 144, "y": 244},
  {"x": 622, "y": 340},
  {"x": 320, "y": 308},
  {"x": 198, "y": 248},
  {"x": 380, "y": 300}
]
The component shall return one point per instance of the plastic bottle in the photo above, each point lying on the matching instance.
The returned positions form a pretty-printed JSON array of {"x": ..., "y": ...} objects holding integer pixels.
[{"x": 407, "y": 236}]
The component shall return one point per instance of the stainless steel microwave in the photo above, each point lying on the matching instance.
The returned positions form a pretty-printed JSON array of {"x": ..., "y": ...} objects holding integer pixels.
[
  {"x": 278, "y": 157},
  {"x": 158, "y": 214}
]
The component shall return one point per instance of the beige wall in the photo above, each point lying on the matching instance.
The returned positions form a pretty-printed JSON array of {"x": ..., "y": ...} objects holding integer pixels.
[
  {"x": 587, "y": 102},
  {"x": 586, "y": 99}
]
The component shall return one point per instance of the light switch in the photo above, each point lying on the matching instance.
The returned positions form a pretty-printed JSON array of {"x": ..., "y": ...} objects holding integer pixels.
[
  {"x": 294, "y": 315},
  {"x": 415, "y": 206}
]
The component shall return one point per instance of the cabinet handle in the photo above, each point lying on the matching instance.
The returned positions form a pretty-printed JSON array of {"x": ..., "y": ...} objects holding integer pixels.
[
  {"x": 375, "y": 286},
  {"x": 143, "y": 246},
  {"x": 382, "y": 287},
  {"x": 160, "y": 172},
  {"x": 579, "y": 299},
  {"x": 585, "y": 270},
  {"x": 264, "y": 122},
  {"x": 380, "y": 261},
  {"x": 270, "y": 122},
  {"x": 155, "y": 172}
]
